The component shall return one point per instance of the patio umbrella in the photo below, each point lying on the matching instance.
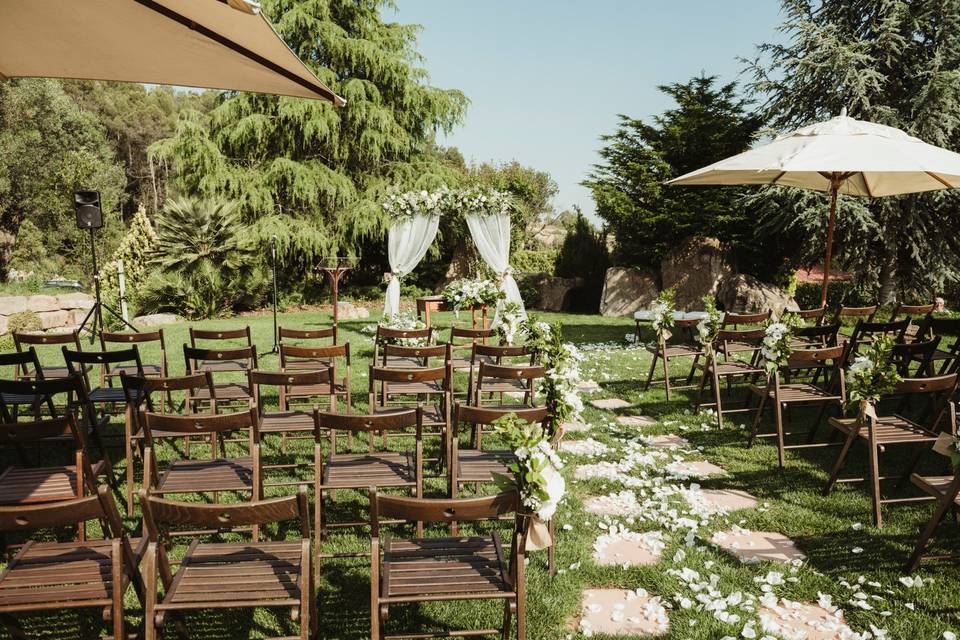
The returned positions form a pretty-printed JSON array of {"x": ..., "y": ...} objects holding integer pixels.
[
  {"x": 840, "y": 155},
  {"x": 213, "y": 44}
]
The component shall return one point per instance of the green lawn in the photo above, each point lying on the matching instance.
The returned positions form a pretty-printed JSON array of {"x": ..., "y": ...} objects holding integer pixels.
[{"x": 826, "y": 528}]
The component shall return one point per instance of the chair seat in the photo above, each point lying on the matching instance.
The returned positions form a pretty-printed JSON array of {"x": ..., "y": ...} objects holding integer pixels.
[
  {"x": 223, "y": 391},
  {"x": 387, "y": 469},
  {"x": 736, "y": 367},
  {"x": 311, "y": 390},
  {"x": 192, "y": 476},
  {"x": 59, "y": 574},
  {"x": 223, "y": 365},
  {"x": 497, "y": 385},
  {"x": 479, "y": 466},
  {"x": 797, "y": 392},
  {"x": 432, "y": 413},
  {"x": 403, "y": 362},
  {"x": 443, "y": 566},
  {"x": 934, "y": 485},
  {"x": 464, "y": 363},
  {"x": 307, "y": 364},
  {"x": 109, "y": 395},
  {"x": 412, "y": 388},
  {"x": 675, "y": 350},
  {"x": 38, "y": 484},
  {"x": 887, "y": 430},
  {"x": 131, "y": 370},
  {"x": 11, "y": 399},
  {"x": 286, "y": 422},
  {"x": 219, "y": 575}
]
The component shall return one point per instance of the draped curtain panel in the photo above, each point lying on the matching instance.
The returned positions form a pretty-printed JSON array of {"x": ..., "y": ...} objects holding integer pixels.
[
  {"x": 407, "y": 243},
  {"x": 491, "y": 235}
]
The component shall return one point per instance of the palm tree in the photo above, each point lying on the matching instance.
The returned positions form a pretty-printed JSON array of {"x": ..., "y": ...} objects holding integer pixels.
[{"x": 195, "y": 236}]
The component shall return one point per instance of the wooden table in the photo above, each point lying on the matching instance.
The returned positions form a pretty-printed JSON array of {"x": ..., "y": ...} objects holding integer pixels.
[{"x": 430, "y": 304}]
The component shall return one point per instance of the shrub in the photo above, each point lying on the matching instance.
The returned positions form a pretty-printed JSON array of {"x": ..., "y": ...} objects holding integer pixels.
[
  {"x": 534, "y": 260},
  {"x": 530, "y": 292},
  {"x": 135, "y": 251},
  {"x": 584, "y": 254},
  {"x": 838, "y": 293},
  {"x": 24, "y": 321},
  {"x": 30, "y": 254}
]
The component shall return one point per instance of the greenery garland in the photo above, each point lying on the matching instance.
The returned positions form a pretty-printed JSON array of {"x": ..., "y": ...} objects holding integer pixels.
[
  {"x": 873, "y": 373},
  {"x": 536, "y": 469}
]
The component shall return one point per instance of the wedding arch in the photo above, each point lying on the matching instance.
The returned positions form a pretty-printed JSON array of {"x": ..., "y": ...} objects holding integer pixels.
[{"x": 415, "y": 218}]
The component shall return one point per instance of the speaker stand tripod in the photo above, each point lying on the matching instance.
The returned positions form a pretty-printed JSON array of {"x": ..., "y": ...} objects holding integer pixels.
[{"x": 95, "y": 315}]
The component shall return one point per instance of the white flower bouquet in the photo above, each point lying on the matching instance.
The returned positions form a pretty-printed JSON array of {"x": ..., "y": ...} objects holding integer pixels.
[
  {"x": 408, "y": 321},
  {"x": 511, "y": 321},
  {"x": 709, "y": 325},
  {"x": 775, "y": 349},
  {"x": 469, "y": 294},
  {"x": 402, "y": 206},
  {"x": 662, "y": 312},
  {"x": 872, "y": 374}
]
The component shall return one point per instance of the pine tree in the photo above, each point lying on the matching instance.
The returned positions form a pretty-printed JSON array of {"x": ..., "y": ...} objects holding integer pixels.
[
  {"x": 310, "y": 173},
  {"x": 895, "y": 62}
]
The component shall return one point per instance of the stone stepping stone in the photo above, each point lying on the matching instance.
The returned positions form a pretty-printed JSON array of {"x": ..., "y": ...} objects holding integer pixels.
[
  {"x": 788, "y": 619},
  {"x": 628, "y": 548},
  {"x": 695, "y": 469},
  {"x": 622, "y": 612},
  {"x": 666, "y": 441},
  {"x": 619, "y": 504},
  {"x": 724, "y": 500},
  {"x": 588, "y": 386},
  {"x": 757, "y": 546},
  {"x": 610, "y": 403},
  {"x": 576, "y": 427},
  {"x": 637, "y": 421},
  {"x": 589, "y": 447}
]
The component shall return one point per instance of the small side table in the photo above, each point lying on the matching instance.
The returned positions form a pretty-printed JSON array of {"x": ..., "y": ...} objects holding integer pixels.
[{"x": 430, "y": 304}]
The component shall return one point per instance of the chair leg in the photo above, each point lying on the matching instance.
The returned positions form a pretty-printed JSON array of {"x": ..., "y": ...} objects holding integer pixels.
[
  {"x": 781, "y": 451},
  {"x": 653, "y": 367},
  {"x": 838, "y": 465},
  {"x": 693, "y": 370},
  {"x": 875, "y": 484},
  {"x": 666, "y": 383},
  {"x": 507, "y": 615},
  {"x": 943, "y": 505},
  {"x": 699, "y": 400},
  {"x": 128, "y": 451},
  {"x": 758, "y": 418},
  {"x": 717, "y": 398},
  {"x": 552, "y": 551}
]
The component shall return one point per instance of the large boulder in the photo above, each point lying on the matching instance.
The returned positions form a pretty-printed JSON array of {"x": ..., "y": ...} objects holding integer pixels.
[
  {"x": 743, "y": 293},
  {"x": 350, "y": 311},
  {"x": 554, "y": 290},
  {"x": 155, "y": 320},
  {"x": 695, "y": 269},
  {"x": 627, "y": 289},
  {"x": 10, "y": 305}
]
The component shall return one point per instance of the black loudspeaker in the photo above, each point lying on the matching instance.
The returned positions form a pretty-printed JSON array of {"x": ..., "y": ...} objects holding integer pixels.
[{"x": 89, "y": 215}]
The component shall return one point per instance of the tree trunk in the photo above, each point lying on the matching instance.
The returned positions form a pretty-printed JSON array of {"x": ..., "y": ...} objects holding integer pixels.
[{"x": 889, "y": 282}]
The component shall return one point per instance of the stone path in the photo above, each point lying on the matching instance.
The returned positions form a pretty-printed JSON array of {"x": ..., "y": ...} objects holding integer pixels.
[
  {"x": 721, "y": 500},
  {"x": 628, "y": 548},
  {"x": 695, "y": 469},
  {"x": 808, "y": 621},
  {"x": 610, "y": 403},
  {"x": 637, "y": 421},
  {"x": 623, "y": 612},
  {"x": 667, "y": 441},
  {"x": 756, "y": 546}
]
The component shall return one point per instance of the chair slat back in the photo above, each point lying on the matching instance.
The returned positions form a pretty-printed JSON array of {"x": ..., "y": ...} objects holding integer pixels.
[
  {"x": 406, "y": 334},
  {"x": 74, "y": 358},
  {"x": 912, "y": 310},
  {"x": 308, "y": 334},
  {"x": 220, "y": 334},
  {"x": 737, "y": 319},
  {"x": 500, "y": 351},
  {"x": 12, "y": 433},
  {"x": 855, "y": 312},
  {"x": 22, "y": 362},
  {"x": 426, "y": 374},
  {"x": 193, "y": 356},
  {"x": 510, "y": 372},
  {"x": 936, "y": 384},
  {"x": 805, "y": 358},
  {"x": 740, "y": 335},
  {"x": 130, "y": 337},
  {"x": 385, "y": 421},
  {"x": 825, "y": 334},
  {"x": 440, "y": 509},
  {"x": 290, "y": 354},
  {"x": 162, "y": 515},
  {"x": 473, "y": 335},
  {"x": 483, "y": 415},
  {"x": 21, "y": 338},
  {"x": 200, "y": 423},
  {"x": 811, "y": 314},
  {"x": 30, "y": 517},
  {"x": 292, "y": 378}
]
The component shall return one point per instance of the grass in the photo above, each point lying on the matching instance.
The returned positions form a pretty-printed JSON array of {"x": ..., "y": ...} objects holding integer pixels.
[{"x": 791, "y": 504}]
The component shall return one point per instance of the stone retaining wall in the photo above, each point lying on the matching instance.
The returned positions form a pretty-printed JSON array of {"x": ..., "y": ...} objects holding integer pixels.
[{"x": 62, "y": 311}]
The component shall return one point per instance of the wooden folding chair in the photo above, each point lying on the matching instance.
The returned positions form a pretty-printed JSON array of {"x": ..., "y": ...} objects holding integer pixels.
[
  {"x": 309, "y": 358},
  {"x": 944, "y": 489},
  {"x": 217, "y": 474},
  {"x": 944, "y": 357},
  {"x": 71, "y": 339},
  {"x": 783, "y": 396},
  {"x": 500, "y": 354},
  {"x": 741, "y": 322},
  {"x": 462, "y": 339},
  {"x": 429, "y": 389},
  {"x": 240, "y": 337},
  {"x": 442, "y": 569},
  {"x": 57, "y": 576},
  {"x": 104, "y": 395},
  {"x": 814, "y": 316},
  {"x": 883, "y": 432},
  {"x": 359, "y": 471},
  {"x": 312, "y": 336},
  {"x": 226, "y": 575},
  {"x": 230, "y": 392},
  {"x": 716, "y": 368},
  {"x": 496, "y": 381},
  {"x": 158, "y": 368},
  {"x": 22, "y": 361},
  {"x": 908, "y": 354},
  {"x": 818, "y": 335},
  {"x": 405, "y": 337},
  {"x": 139, "y": 392},
  {"x": 290, "y": 424},
  {"x": 865, "y": 314},
  {"x": 665, "y": 352},
  {"x": 912, "y": 311}
]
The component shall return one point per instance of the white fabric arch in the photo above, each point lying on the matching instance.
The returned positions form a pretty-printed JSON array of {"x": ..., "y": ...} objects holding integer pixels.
[
  {"x": 407, "y": 242},
  {"x": 491, "y": 235}
]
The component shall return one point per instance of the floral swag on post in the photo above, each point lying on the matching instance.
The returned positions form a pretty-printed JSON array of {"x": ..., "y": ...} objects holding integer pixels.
[
  {"x": 775, "y": 349},
  {"x": 662, "y": 312}
]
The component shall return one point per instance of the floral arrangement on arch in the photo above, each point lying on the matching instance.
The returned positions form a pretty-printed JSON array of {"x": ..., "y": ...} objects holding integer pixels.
[
  {"x": 872, "y": 374},
  {"x": 776, "y": 348},
  {"x": 662, "y": 311},
  {"x": 471, "y": 293},
  {"x": 479, "y": 201},
  {"x": 468, "y": 201},
  {"x": 405, "y": 205}
]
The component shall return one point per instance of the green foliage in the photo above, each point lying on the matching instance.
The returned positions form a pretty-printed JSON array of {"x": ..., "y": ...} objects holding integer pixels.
[
  {"x": 535, "y": 260},
  {"x": 584, "y": 255},
  {"x": 839, "y": 293},
  {"x": 897, "y": 63},
  {"x": 308, "y": 172},
  {"x": 873, "y": 374},
  {"x": 205, "y": 263},
  {"x": 135, "y": 251},
  {"x": 530, "y": 292},
  {"x": 647, "y": 218},
  {"x": 30, "y": 253},
  {"x": 24, "y": 321},
  {"x": 49, "y": 147}
]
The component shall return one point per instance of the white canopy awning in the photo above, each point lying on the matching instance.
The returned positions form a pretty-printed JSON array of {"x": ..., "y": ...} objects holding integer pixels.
[{"x": 193, "y": 43}]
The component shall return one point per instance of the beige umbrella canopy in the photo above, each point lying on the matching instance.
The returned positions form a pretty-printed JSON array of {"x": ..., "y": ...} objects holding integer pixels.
[
  {"x": 213, "y": 44},
  {"x": 840, "y": 155}
]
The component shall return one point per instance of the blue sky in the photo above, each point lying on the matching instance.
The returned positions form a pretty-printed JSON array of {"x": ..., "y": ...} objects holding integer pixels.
[{"x": 547, "y": 78}]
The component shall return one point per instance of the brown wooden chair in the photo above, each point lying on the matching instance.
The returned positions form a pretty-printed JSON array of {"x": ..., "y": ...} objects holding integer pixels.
[
  {"x": 300, "y": 358},
  {"x": 912, "y": 311},
  {"x": 818, "y": 335},
  {"x": 241, "y": 337},
  {"x": 883, "y": 432},
  {"x": 158, "y": 368},
  {"x": 71, "y": 339},
  {"x": 226, "y": 575},
  {"x": 495, "y": 381},
  {"x": 814, "y": 316},
  {"x": 947, "y": 328},
  {"x": 782, "y": 395},
  {"x": 665, "y": 352},
  {"x": 944, "y": 489},
  {"x": 442, "y": 569},
  {"x": 139, "y": 392},
  {"x": 19, "y": 361},
  {"x": 429, "y": 389},
  {"x": 500, "y": 354},
  {"x": 741, "y": 322},
  {"x": 215, "y": 475},
  {"x": 462, "y": 339},
  {"x": 104, "y": 395},
  {"x": 410, "y": 337},
  {"x": 230, "y": 392},
  {"x": 715, "y": 369},
  {"x": 312, "y": 335},
  {"x": 53, "y": 577},
  {"x": 908, "y": 354},
  {"x": 289, "y": 424},
  {"x": 359, "y": 471}
]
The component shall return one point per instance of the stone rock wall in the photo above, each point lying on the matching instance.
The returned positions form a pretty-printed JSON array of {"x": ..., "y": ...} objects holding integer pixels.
[
  {"x": 695, "y": 268},
  {"x": 743, "y": 293},
  {"x": 627, "y": 289},
  {"x": 64, "y": 311},
  {"x": 554, "y": 290}
]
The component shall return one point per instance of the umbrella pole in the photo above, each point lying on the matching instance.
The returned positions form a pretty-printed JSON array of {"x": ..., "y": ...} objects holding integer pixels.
[{"x": 834, "y": 186}]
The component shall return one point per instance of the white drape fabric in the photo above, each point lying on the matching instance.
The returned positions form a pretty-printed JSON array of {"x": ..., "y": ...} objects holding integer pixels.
[
  {"x": 491, "y": 235},
  {"x": 407, "y": 242}
]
